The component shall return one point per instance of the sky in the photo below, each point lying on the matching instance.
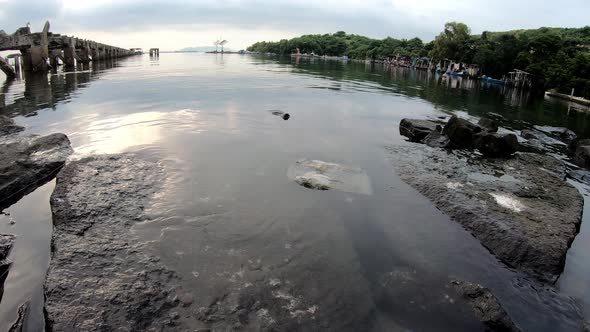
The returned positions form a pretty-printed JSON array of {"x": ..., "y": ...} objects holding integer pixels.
[{"x": 175, "y": 24}]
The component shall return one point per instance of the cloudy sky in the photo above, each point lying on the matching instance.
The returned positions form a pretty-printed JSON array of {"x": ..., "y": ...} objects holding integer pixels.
[{"x": 174, "y": 24}]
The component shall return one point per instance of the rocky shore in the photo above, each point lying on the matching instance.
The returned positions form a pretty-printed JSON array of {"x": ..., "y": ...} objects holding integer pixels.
[
  {"x": 103, "y": 276},
  {"x": 26, "y": 162},
  {"x": 517, "y": 204}
]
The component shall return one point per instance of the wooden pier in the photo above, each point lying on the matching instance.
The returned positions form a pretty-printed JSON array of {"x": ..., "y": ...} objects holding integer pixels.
[{"x": 40, "y": 51}]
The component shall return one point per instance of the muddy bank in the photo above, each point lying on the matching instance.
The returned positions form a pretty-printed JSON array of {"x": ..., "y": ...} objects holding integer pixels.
[{"x": 117, "y": 263}]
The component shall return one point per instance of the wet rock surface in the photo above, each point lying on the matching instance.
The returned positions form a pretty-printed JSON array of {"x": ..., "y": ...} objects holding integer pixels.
[
  {"x": 416, "y": 130},
  {"x": 8, "y": 127},
  {"x": 485, "y": 306},
  {"x": 21, "y": 322},
  {"x": 563, "y": 134},
  {"x": 496, "y": 145},
  {"x": 461, "y": 132},
  {"x": 103, "y": 277},
  {"x": 28, "y": 162},
  {"x": 321, "y": 175},
  {"x": 6, "y": 243},
  {"x": 521, "y": 209},
  {"x": 457, "y": 301},
  {"x": 98, "y": 278}
]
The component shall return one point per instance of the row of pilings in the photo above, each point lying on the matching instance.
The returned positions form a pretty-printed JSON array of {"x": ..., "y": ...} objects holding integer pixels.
[{"x": 41, "y": 51}]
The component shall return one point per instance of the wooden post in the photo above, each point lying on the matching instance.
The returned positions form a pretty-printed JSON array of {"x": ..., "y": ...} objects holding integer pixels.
[
  {"x": 54, "y": 55},
  {"x": 70, "y": 54}
]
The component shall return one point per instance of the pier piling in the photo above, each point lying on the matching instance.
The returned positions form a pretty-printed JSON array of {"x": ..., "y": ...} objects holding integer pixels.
[{"x": 41, "y": 50}]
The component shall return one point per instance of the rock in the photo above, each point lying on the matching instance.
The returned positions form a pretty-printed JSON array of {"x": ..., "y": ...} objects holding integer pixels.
[
  {"x": 28, "y": 162},
  {"x": 8, "y": 127},
  {"x": 563, "y": 134},
  {"x": 436, "y": 140},
  {"x": 532, "y": 146},
  {"x": 461, "y": 132},
  {"x": 539, "y": 142},
  {"x": 485, "y": 306},
  {"x": 496, "y": 145},
  {"x": 313, "y": 180},
  {"x": 100, "y": 277},
  {"x": 109, "y": 272},
  {"x": 417, "y": 130},
  {"x": 580, "y": 176},
  {"x": 321, "y": 175},
  {"x": 456, "y": 305},
  {"x": 488, "y": 125},
  {"x": 582, "y": 156},
  {"x": 575, "y": 143},
  {"x": 6, "y": 242},
  {"x": 21, "y": 322},
  {"x": 282, "y": 114},
  {"x": 531, "y": 134},
  {"x": 521, "y": 209}
]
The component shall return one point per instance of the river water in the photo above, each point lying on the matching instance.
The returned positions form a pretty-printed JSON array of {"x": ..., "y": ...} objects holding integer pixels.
[{"x": 208, "y": 120}]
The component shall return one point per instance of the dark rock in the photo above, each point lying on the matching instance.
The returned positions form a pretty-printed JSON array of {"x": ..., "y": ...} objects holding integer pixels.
[
  {"x": 488, "y": 125},
  {"x": 528, "y": 216},
  {"x": 417, "y": 130},
  {"x": 582, "y": 156},
  {"x": 563, "y": 134},
  {"x": 485, "y": 306},
  {"x": 6, "y": 242},
  {"x": 8, "y": 127},
  {"x": 496, "y": 145},
  {"x": 282, "y": 114},
  {"x": 21, "y": 322},
  {"x": 28, "y": 162},
  {"x": 436, "y": 140},
  {"x": 461, "y": 132}
]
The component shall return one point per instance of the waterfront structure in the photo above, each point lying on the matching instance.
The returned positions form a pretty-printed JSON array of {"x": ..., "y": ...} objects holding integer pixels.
[{"x": 40, "y": 51}]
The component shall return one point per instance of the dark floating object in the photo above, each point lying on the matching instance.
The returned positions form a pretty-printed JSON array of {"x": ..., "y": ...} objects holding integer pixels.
[{"x": 282, "y": 114}]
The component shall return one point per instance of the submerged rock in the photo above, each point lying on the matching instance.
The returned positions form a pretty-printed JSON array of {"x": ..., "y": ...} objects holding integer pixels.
[
  {"x": 485, "y": 306},
  {"x": 28, "y": 162},
  {"x": 461, "y": 132},
  {"x": 105, "y": 275},
  {"x": 321, "y": 175},
  {"x": 416, "y": 130},
  {"x": 521, "y": 209},
  {"x": 450, "y": 305}
]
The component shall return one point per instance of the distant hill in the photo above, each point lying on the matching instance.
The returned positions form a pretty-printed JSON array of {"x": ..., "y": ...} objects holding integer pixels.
[{"x": 202, "y": 49}]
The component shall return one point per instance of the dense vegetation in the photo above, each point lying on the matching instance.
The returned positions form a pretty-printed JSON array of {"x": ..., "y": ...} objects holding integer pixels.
[{"x": 559, "y": 56}]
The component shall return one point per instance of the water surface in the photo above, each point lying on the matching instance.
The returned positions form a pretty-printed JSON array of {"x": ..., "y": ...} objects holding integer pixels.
[{"x": 208, "y": 119}]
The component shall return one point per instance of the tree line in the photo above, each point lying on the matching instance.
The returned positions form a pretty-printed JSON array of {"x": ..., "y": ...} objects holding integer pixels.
[{"x": 558, "y": 57}]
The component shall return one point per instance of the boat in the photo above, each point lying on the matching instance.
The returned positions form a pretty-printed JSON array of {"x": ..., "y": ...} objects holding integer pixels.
[{"x": 492, "y": 80}]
